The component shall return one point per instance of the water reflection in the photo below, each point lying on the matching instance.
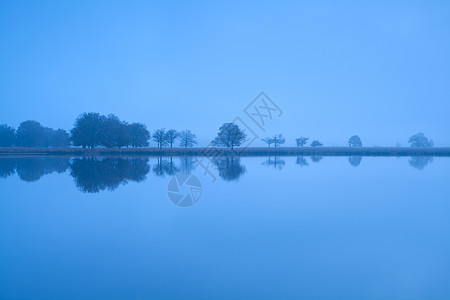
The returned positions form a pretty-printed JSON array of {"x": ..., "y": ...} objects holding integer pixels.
[
  {"x": 354, "y": 160},
  {"x": 93, "y": 175},
  {"x": 420, "y": 162},
  {"x": 229, "y": 167},
  {"x": 316, "y": 159},
  {"x": 187, "y": 164},
  {"x": 33, "y": 168},
  {"x": 275, "y": 162},
  {"x": 165, "y": 166},
  {"x": 301, "y": 161}
]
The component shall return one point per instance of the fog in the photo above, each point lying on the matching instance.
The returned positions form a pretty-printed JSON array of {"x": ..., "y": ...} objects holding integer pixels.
[{"x": 378, "y": 70}]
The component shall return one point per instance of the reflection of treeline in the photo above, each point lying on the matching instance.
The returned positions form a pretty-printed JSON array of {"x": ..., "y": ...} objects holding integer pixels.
[
  {"x": 33, "y": 168},
  {"x": 93, "y": 175}
]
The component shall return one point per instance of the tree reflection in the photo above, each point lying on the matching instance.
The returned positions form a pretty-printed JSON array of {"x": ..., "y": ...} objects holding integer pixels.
[
  {"x": 93, "y": 175},
  {"x": 165, "y": 167},
  {"x": 276, "y": 162},
  {"x": 420, "y": 162},
  {"x": 7, "y": 167},
  {"x": 187, "y": 164},
  {"x": 301, "y": 161},
  {"x": 354, "y": 160},
  {"x": 229, "y": 167},
  {"x": 33, "y": 168},
  {"x": 316, "y": 159}
]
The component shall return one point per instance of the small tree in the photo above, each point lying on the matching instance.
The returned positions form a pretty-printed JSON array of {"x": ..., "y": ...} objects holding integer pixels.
[
  {"x": 139, "y": 135},
  {"x": 229, "y": 135},
  {"x": 278, "y": 139},
  {"x": 316, "y": 144},
  {"x": 187, "y": 139},
  {"x": 301, "y": 141},
  {"x": 354, "y": 141},
  {"x": 171, "y": 136},
  {"x": 268, "y": 141},
  {"x": 420, "y": 140},
  {"x": 7, "y": 136},
  {"x": 159, "y": 136},
  {"x": 30, "y": 134}
]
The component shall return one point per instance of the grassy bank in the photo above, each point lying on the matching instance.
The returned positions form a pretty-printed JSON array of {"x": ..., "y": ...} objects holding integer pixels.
[{"x": 252, "y": 151}]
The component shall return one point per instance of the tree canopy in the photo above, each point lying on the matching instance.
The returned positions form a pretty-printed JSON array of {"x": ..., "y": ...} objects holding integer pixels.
[
  {"x": 355, "y": 141},
  {"x": 7, "y": 136},
  {"x": 316, "y": 144},
  {"x": 419, "y": 140},
  {"x": 187, "y": 139},
  {"x": 301, "y": 141},
  {"x": 30, "y": 134},
  {"x": 230, "y": 136}
]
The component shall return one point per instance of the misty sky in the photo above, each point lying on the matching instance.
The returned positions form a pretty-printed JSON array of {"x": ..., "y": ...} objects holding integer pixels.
[{"x": 379, "y": 69}]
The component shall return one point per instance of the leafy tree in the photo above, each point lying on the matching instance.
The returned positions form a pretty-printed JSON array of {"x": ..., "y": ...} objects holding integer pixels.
[
  {"x": 170, "y": 136},
  {"x": 61, "y": 138},
  {"x": 354, "y": 141},
  {"x": 278, "y": 139},
  {"x": 139, "y": 135},
  {"x": 419, "y": 140},
  {"x": 268, "y": 141},
  {"x": 87, "y": 130},
  {"x": 114, "y": 133},
  {"x": 301, "y": 141},
  {"x": 316, "y": 144},
  {"x": 7, "y": 136},
  {"x": 230, "y": 136},
  {"x": 30, "y": 134},
  {"x": 159, "y": 136},
  {"x": 187, "y": 139}
]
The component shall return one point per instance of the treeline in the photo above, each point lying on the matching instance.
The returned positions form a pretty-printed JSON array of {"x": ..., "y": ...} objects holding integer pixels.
[{"x": 93, "y": 129}]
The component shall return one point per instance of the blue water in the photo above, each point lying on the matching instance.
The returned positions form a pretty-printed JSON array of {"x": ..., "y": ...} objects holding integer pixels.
[{"x": 284, "y": 228}]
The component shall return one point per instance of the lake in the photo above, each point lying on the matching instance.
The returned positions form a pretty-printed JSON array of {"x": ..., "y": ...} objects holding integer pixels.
[{"x": 239, "y": 228}]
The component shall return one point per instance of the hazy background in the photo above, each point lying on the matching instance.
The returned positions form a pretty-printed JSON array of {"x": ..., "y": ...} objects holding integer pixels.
[{"x": 379, "y": 69}]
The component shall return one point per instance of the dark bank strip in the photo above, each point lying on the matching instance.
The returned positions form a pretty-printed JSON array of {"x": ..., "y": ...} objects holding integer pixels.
[{"x": 253, "y": 151}]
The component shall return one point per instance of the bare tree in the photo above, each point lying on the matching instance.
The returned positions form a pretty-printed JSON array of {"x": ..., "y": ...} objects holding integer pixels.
[
  {"x": 268, "y": 141},
  {"x": 278, "y": 139},
  {"x": 187, "y": 139},
  {"x": 171, "y": 136},
  {"x": 159, "y": 136}
]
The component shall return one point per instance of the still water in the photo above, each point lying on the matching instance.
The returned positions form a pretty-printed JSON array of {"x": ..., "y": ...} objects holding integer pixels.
[{"x": 259, "y": 228}]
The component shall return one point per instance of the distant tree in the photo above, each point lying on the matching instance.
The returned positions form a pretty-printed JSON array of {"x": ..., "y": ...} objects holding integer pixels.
[
  {"x": 354, "y": 141},
  {"x": 187, "y": 139},
  {"x": 114, "y": 133},
  {"x": 354, "y": 160},
  {"x": 230, "y": 136},
  {"x": 61, "y": 138},
  {"x": 419, "y": 140},
  {"x": 278, "y": 139},
  {"x": 316, "y": 144},
  {"x": 7, "y": 136},
  {"x": 170, "y": 136},
  {"x": 159, "y": 136},
  {"x": 47, "y": 137},
  {"x": 268, "y": 141},
  {"x": 30, "y": 134},
  {"x": 301, "y": 141},
  {"x": 87, "y": 130},
  {"x": 277, "y": 163},
  {"x": 139, "y": 135}
]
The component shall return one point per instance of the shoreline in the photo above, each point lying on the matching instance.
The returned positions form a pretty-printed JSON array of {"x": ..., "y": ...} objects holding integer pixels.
[{"x": 251, "y": 151}]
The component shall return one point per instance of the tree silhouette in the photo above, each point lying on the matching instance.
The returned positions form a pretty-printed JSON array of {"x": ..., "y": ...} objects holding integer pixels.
[
  {"x": 278, "y": 139},
  {"x": 355, "y": 141},
  {"x": 170, "y": 136},
  {"x": 268, "y": 141},
  {"x": 159, "y": 136},
  {"x": 7, "y": 136},
  {"x": 187, "y": 164},
  {"x": 139, "y": 135},
  {"x": 301, "y": 141},
  {"x": 316, "y": 144},
  {"x": 419, "y": 140},
  {"x": 7, "y": 167},
  {"x": 187, "y": 139},
  {"x": 230, "y": 136},
  {"x": 30, "y": 134},
  {"x": 55, "y": 138},
  {"x": 420, "y": 162},
  {"x": 87, "y": 130},
  {"x": 114, "y": 133}
]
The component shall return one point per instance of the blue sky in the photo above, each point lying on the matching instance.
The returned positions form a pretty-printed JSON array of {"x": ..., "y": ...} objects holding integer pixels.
[{"x": 379, "y": 69}]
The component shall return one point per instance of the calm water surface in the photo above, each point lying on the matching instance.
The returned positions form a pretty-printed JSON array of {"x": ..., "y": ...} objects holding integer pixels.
[{"x": 263, "y": 228}]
